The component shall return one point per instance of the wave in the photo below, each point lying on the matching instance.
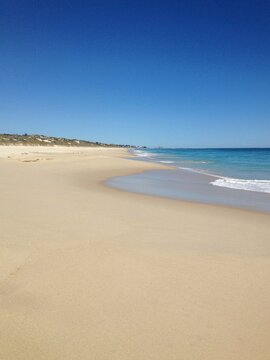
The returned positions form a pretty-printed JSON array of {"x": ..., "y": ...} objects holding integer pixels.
[
  {"x": 196, "y": 162},
  {"x": 198, "y": 171},
  {"x": 141, "y": 153},
  {"x": 241, "y": 184},
  {"x": 167, "y": 162}
]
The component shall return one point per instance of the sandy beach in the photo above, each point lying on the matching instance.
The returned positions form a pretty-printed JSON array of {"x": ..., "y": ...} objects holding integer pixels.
[{"x": 91, "y": 272}]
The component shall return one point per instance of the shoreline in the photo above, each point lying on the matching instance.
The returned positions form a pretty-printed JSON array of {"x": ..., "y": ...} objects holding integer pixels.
[
  {"x": 179, "y": 200},
  {"x": 237, "y": 169},
  {"x": 191, "y": 186},
  {"x": 88, "y": 271}
]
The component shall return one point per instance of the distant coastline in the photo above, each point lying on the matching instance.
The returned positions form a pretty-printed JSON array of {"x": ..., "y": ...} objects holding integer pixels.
[{"x": 43, "y": 140}]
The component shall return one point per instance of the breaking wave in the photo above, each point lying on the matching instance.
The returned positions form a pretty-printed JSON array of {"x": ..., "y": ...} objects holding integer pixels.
[
  {"x": 141, "y": 153},
  {"x": 241, "y": 184}
]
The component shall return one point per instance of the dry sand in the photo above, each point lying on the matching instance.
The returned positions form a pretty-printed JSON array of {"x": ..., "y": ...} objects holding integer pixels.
[{"x": 89, "y": 272}]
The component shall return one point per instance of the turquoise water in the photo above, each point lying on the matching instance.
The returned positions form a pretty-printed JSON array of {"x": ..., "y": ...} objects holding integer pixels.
[{"x": 243, "y": 169}]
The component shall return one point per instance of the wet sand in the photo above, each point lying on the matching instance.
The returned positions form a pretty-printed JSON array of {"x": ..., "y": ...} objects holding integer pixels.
[{"x": 190, "y": 186}]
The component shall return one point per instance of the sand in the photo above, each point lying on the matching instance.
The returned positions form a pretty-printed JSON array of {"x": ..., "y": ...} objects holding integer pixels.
[{"x": 90, "y": 272}]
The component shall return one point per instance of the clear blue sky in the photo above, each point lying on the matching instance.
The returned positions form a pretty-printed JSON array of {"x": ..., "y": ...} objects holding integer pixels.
[{"x": 157, "y": 73}]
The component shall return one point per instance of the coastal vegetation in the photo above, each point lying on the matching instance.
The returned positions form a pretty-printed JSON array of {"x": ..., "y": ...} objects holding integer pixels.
[{"x": 36, "y": 139}]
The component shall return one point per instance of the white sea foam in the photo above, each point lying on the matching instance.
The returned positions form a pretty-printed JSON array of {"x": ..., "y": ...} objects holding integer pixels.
[
  {"x": 167, "y": 162},
  {"x": 188, "y": 169},
  {"x": 199, "y": 171},
  {"x": 141, "y": 153},
  {"x": 241, "y": 184},
  {"x": 196, "y": 162}
]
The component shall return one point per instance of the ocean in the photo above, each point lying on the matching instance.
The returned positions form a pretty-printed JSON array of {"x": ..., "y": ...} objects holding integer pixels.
[
  {"x": 243, "y": 169},
  {"x": 232, "y": 177}
]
